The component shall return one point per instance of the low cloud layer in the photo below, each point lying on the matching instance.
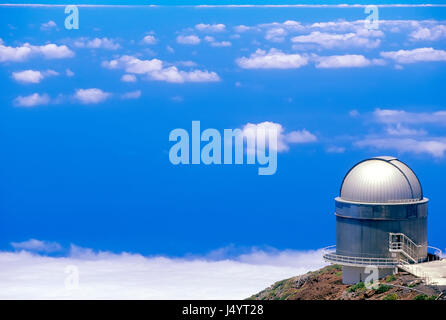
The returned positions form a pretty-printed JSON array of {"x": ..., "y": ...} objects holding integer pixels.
[{"x": 106, "y": 275}]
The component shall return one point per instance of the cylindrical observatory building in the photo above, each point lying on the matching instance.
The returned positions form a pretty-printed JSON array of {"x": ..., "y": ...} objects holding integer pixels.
[{"x": 381, "y": 219}]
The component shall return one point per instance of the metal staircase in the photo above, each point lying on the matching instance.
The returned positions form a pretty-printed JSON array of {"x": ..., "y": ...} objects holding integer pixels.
[{"x": 399, "y": 242}]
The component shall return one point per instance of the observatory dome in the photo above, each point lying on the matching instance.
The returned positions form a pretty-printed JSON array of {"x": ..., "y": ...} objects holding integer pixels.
[{"x": 381, "y": 180}]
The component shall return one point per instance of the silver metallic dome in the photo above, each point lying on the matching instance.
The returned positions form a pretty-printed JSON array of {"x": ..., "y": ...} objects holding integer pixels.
[{"x": 381, "y": 180}]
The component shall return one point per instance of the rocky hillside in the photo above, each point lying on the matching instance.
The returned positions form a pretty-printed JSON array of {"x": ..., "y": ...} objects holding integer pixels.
[{"x": 326, "y": 284}]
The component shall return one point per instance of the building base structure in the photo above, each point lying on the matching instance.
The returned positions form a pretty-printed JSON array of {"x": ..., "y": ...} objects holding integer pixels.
[{"x": 353, "y": 275}]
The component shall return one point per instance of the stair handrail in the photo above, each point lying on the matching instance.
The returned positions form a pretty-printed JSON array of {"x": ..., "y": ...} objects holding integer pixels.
[
  {"x": 406, "y": 246},
  {"x": 436, "y": 250}
]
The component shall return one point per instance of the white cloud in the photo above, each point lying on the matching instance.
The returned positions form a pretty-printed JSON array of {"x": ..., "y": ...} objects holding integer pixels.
[
  {"x": 50, "y": 73},
  {"x": 415, "y": 28},
  {"x": 48, "y": 25},
  {"x": 28, "y": 76},
  {"x": 436, "y": 147},
  {"x": 284, "y": 140},
  {"x": 186, "y": 63},
  {"x": 274, "y": 31},
  {"x": 32, "y": 76},
  {"x": 191, "y": 39},
  {"x": 274, "y": 59},
  {"x": 48, "y": 51},
  {"x": 358, "y": 34},
  {"x": 390, "y": 116},
  {"x": 332, "y": 40},
  {"x": 69, "y": 73},
  {"x": 343, "y": 26},
  {"x": 91, "y": 96},
  {"x": 326, "y": 34},
  {"x": 274, "y": 27},
  {"x": 241, "y": 28},
  {"x": 290, "y": 25},
  {"x": 276, "y": 34},
  {"x": 14, "y": 53},
  {"x": 221, "y": 44},
  {"x": 346, "y": 61},
  {"x": 302, "y": 136},
  {"x": 177, "y": 99},
  {"x": 357, "y": 27},
  {"x": 97, "y": 43},
  {"x": 415, "y": 55},
  {"x": 429, "y": 34},
  {"x": 128, "y": 78},
  {"x": 156, "y": 70},
  {"x": 37, "y": 246},
  {"x": 353, "y": 113},
  {"x": 170, "y": 49},
  {"x": 106, "y": 275},
  {"x": 131, "y": 95},
  {"x": 32, "y": 100},
  {"x": 149, "y": 39},
  {"x": 397, "y": 135},
  {"x": 400, "y": 130},
  {"x": 210, "y": 27},
  {"x": 172, "y": 74},
  {"x": 342, "y": 33},
  {"x": 215, "y": 43},
  {"x": 335, "y": 149},
  {"x": 134, "y": 65},
  {"x": 52, "y": 51}
]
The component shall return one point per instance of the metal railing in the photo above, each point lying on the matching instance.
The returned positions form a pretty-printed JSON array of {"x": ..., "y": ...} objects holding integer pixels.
[
  {"x": 407, "y": 260},
  {"x": 332, "y": 257},
  {"x": 437, "y": 252},
  {"x": 399, "y": 242}
]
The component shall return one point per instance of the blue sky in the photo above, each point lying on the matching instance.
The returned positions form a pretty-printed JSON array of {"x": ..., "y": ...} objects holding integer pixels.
[{"x": 84, "y": 150}]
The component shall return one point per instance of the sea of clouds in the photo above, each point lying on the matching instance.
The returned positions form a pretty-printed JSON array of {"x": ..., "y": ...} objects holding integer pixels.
[{"x": 30, "y": 273}]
